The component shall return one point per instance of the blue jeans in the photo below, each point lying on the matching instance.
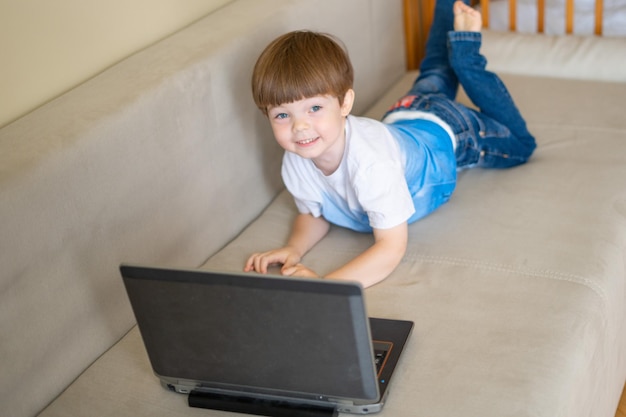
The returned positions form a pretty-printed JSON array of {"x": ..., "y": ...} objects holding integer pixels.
[{"x": 496, "y": 136}]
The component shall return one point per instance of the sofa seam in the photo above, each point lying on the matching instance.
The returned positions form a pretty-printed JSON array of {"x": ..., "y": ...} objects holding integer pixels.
[{"x": 537, "y": 273}]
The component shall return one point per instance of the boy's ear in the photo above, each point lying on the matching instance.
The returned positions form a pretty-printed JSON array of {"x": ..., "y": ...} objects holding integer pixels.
[{"x": 348, "y": 102}]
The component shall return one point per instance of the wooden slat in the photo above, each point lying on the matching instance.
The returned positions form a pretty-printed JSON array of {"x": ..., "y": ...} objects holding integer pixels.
[
  {"x": 484, "y": 8},
  {"x": 599, "y": 15},
  {"x": 418, "y": 17},
  {"x": 512, "y": 15},
  {"x": 621, "y": 409},
  {"x": 541, "y": 16},
  {"x": 569, "y": 16},
  {"x": 411, "y": 41}
]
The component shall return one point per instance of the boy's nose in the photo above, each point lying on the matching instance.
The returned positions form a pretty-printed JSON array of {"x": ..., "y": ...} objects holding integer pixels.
[{"x": 300, "y": 124}]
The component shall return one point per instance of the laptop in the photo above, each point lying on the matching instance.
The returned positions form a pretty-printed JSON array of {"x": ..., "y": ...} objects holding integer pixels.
[{"x": 264, "y": 344}]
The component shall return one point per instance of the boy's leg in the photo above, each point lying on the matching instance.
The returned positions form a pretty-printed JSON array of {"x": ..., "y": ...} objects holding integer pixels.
[
  {"x": 494, "y": 137},
  {"x": 484, "y": 88},
  {"x": 436, "y": 74}
]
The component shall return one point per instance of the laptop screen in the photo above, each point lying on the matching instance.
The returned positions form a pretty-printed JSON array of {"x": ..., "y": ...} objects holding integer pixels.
[{"x": 255, "y": 333}]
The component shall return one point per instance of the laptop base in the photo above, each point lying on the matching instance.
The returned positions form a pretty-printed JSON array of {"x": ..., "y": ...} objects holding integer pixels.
[{"x": 258, "y": 407}]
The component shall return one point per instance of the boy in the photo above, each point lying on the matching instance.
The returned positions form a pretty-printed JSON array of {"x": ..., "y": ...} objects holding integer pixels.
[{"x": 380, "y": 176}]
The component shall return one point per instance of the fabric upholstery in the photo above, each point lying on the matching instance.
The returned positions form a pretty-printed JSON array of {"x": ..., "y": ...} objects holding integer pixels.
[
  {"x": 516, "y": 286},
  {"x": 576, "y": 57},
  {"x": 162, "y": 158}
]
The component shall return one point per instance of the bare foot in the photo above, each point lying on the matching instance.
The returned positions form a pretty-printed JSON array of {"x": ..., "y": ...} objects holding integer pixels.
[{"x": 466, "y": 19}]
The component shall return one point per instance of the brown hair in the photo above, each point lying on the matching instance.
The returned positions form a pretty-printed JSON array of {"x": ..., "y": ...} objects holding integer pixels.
[{"x": 298, "y": 65}]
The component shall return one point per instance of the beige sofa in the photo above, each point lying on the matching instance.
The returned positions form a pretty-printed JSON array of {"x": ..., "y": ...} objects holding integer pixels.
[{"x": 516, "y": 286}]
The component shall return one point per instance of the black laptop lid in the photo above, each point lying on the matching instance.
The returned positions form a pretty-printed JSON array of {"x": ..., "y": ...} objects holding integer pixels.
[{"x": 265, "y": 334}]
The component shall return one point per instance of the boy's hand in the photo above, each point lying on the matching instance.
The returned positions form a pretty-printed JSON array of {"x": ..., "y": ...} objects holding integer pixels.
[
  {"x": 299, "y": 270},
  {"x": 287, "y": 256},
  {"x": 306, "y": 232},
  {"x": 259, "y": 262}
]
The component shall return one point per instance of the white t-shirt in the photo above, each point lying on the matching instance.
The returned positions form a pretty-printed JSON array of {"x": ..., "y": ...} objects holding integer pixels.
[{"x": 368, "y": 189}]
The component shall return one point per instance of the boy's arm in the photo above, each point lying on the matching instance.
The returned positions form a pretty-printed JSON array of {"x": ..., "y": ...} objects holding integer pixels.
[
  {"x": 379, "y": 260},
  {"x": 369, "y": 268},
  {"x": 305, "y": 233}
]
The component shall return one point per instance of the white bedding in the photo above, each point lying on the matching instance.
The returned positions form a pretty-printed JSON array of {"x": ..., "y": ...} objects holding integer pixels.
[{"x": 613, "y": 22}]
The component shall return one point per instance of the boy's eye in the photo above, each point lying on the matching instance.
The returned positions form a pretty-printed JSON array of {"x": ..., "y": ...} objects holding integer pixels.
[
  {"x": 316, "y": 108},
  {"x": 281, "y": 116}
]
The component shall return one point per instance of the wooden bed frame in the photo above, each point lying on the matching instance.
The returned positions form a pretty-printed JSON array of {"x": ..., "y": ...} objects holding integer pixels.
[{"x": 418, "y": 16}]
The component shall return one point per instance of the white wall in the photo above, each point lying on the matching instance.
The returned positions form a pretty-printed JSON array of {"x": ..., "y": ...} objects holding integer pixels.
[{"x": 49, "y": 46}]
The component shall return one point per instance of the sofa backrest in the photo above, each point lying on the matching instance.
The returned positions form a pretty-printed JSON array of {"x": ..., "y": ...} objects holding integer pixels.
[
  {"x": 161, "y": 159},
  {"x": 573, "y": 57}
]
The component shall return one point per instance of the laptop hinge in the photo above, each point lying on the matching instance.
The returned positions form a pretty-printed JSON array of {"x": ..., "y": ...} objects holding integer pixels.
[{"x": 247, "y": 405}]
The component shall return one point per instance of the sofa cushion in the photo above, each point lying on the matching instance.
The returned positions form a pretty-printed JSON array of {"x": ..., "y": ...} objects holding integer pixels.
[{"x": 516, "y": 286}]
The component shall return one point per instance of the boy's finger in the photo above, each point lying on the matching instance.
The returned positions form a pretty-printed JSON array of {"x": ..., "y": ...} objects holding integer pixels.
[
  {"x": 249, "y": 265},
  {"x": 260, "y": 265},
  {"x": 288, "y": 271}
]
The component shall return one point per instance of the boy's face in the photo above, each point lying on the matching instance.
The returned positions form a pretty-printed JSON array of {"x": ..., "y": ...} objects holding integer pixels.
[{"x": 313, "y": 128}]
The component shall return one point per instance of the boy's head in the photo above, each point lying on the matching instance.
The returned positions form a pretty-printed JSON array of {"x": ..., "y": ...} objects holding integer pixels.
[{"x": 298, "y": 65}]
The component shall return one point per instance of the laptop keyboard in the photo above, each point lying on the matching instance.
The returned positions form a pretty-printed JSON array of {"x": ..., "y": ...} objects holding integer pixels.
[
  {"x": 381, "y": 351},
  {"x": 379, "y": 359}
]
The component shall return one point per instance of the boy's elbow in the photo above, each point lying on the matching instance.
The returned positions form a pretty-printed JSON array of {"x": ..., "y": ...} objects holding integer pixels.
[
  {"x": 397, "y": 256},
  {"x": 401, "y": 252}
]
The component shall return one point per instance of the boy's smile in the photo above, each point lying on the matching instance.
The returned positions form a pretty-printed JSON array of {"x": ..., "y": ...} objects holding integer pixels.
[
  {"x": 313, "y": 128},
  {"x": 307, "y": 142}
]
